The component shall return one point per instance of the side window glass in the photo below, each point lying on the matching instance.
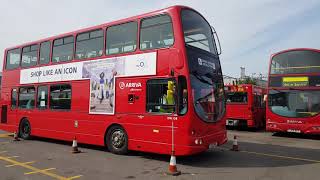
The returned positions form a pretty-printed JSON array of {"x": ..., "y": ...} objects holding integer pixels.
[
  {"x": 13, "y": 59},
  {"x": 182, "y": 95},
  {"x": 122, "y": 38},
  {"x": 42, "y": 99},
  {"x": 89, "y": 44},
  {"x": 60, "y": 97},
  {"x": 14, "y": 98},
  {"x": 161, "y": 96},
  {"x": 29, "y": 56},
  {"x": 26, "y": 97},
  {"x": 62, "y": 49},
  {"x": 156, "y": 32},
  {"x": 45, "y": 52}
]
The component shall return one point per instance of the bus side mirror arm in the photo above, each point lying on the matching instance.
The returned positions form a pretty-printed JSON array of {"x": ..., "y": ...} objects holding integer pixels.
[{"x": 215, "y": 34}]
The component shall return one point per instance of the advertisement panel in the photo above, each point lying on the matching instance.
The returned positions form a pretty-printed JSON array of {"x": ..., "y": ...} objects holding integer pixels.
[{"x": 101, "y": 73}]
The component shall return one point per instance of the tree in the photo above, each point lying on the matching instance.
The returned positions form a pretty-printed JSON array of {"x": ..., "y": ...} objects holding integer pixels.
[{"x": 248, "y": 80}]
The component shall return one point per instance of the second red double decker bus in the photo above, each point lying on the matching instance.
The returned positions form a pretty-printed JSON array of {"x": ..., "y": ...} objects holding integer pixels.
[
  {"x": 121, "y": 85},
  {"x": 245, "y": 106},
  {"x": 294, "y": 92}
]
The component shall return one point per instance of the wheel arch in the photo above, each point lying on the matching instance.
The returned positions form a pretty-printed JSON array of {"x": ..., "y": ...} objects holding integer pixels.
[
  {"x": 23, "y": 118},
  {"x": 19, "y": 127}
]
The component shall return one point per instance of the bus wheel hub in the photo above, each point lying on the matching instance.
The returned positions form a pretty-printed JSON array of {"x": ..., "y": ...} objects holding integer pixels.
[{"x": 117, "y": 139}]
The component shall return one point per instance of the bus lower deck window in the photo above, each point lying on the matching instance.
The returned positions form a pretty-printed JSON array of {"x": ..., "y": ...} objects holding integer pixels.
[{"x": 60, "y": 96}]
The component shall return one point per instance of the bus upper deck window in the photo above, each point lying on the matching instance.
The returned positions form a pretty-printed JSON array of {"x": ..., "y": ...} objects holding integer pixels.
[
  {"x": 13, "y": 59},
  {"x": 122, "y": 38},
  {"x": 62, "y": 49},
  {"x": 29, "y": 56},
  {"x": 156, "y": 32},
  {"x": 89, "y": 44},
  {"x": 45, "y": 52}
]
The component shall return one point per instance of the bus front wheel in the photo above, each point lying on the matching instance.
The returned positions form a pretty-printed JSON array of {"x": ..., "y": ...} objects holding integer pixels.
[
  {"x": 117, "y": 140},
  {"x": 25, "y": 129}
]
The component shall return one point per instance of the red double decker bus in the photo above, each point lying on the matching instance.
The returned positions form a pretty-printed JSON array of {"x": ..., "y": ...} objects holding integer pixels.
[
  {"x": 121, "y": 85},
  {"x": 245, "y": 106},
  {"x": 294, "y": 92}
]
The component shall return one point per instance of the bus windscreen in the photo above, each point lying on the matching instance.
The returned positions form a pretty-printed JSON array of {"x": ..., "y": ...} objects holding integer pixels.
[
  {"x": 204, "y": 67},
  {"x": 295, "y": 103},
  {"x": 296, "y": 62}
]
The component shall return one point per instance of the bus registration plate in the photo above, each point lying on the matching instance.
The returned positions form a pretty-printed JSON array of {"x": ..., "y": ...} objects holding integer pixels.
[
  {"x": 213, "y": 145},
  {"x": 231, "y": 122},
  {"x": 294, "y": 131}
]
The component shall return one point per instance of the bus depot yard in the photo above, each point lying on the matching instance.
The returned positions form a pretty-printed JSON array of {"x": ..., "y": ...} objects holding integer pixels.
[
  {"x": 151, "y": 88},
  {"x": 261, "y": 155}
]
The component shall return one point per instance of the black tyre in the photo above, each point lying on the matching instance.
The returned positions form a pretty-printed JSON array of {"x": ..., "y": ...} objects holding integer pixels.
[
  {"x": 25, "y": 129},
  {"x": 117, "y": 140}
]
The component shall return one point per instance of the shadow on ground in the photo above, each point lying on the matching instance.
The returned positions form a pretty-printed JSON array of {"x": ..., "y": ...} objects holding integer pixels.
[
  {"x": 296, "y": 135},
  {"x": 251, "y": 155}
]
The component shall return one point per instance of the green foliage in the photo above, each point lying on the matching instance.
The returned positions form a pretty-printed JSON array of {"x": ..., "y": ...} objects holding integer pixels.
[{"x": 248, "y": 80}]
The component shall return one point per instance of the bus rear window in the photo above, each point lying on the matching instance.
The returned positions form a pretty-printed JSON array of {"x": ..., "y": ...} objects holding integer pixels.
[
  {"x": 13, "y": 59},
  {"x": 237, "y": 97}
]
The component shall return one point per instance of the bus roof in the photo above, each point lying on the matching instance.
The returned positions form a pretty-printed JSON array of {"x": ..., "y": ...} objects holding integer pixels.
[
  {"x": 164, "y": 10},
  {"x": 294, "y": 49}
]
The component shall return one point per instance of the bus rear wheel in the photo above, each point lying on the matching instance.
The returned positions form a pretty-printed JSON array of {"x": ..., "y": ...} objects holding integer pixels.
[
  {"x": 25, "y": 129},
  {"x": 117, "y": 140}
]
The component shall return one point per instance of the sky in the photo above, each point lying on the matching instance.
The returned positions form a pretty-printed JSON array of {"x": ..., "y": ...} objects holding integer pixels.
[{"x": 249, "y": 30}]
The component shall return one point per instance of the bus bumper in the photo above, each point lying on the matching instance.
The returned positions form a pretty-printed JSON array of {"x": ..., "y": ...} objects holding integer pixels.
[
  {"x": 240, "y": 122},
  {"x": 201, "y": 144},
  {"x": 294, "y": 128},
  {"x": 192, "y": 147}
]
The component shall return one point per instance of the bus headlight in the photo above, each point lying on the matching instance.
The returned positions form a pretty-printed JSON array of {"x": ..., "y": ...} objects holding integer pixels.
[
  {"x": 200, "y": 141},
  {"x": 196, "y": 141},
  {"x": 272, "y": 125}
]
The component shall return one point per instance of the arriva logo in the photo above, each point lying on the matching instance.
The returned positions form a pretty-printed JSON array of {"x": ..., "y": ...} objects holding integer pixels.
[{"x": 123, "y": 85}]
